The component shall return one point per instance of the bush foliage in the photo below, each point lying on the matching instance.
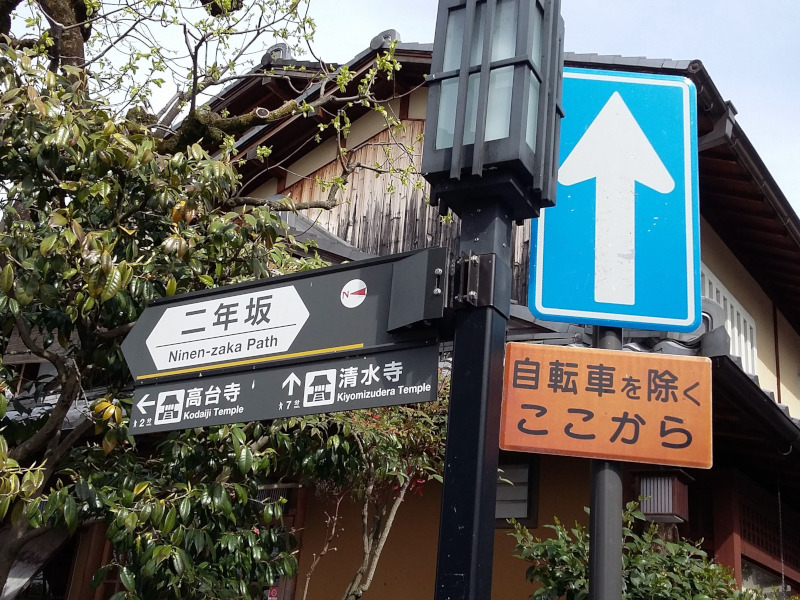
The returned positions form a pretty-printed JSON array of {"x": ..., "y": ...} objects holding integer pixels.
[{"x": 652, "y": 567}]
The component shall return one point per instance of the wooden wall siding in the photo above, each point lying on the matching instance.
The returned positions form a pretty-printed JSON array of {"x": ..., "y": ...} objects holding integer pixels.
[{"x": 379, "y": 222}]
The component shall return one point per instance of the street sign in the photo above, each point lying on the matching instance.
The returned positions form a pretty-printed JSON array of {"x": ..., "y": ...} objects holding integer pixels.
[
  {"x": 649, "y": 408},
  {"x": 621, "y": 247},
  {"x": 350, "y": 309},
  {"x": 383, "y": 379}
]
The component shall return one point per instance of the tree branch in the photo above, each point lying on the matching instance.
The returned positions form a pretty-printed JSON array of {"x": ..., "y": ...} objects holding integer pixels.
[
  {"x": 6, "y": 8},
  {"x": 70, "y": 388},
  {"x": 330, "y": 524},
  {"x": 23, "y": 43},
  {"x": 110, "y": 334},
  {"x": 25, "y": 336},
  {"x": 111, "y": 45},
  {"x": 55, "y": 452},
  {"x": 384, "y": 534}
]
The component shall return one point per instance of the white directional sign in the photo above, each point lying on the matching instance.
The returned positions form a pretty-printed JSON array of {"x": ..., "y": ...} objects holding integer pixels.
[
  {"x": 234, "y": 327},
  {"x": 349, "y": 309},
  {"x": 621, "y": 246},
  {"x": 386, "y": 378}
]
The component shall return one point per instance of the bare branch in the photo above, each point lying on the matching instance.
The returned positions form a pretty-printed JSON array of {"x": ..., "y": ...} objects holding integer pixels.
[
  {"x": 111, "y": 45},
  {"x": 331, "y": 523},
  {"x": 49, "y": 172},
  {"x": 384, "y": 534}
]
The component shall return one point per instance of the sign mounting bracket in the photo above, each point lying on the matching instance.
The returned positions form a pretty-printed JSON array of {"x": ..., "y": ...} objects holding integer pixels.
[{"x": 477, "y": 280}]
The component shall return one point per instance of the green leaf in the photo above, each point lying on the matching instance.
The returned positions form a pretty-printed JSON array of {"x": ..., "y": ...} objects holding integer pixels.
[
  {"x": 47, "y": 243},
  {"x": 7, "y": 278},
  {"x": 4, "y": 504},
  {"x": 131, "y": 521},
  {"x": 97, "y": 282},
  {"x": 206, "y": 280},
  {"x": 245, "y": 461},
  {"x": 161, "y": 553},
  {"x": 99, "y": 577},
  {"x": 196, "y": 151},
  {"x": 169, "y": 521},
  {"x": 177, "y": 562},
  {"x": 34, "y": 514},
  {"x": 157, "y": 513},
  {"x": 57, "y": 220},
  {"x": 125, "y": 142},
  {"x": 185, "y": 510},
  {"x": 25, "y": 289},
  {"x": 127, "y": 578},
  {"x": 238, "y": 434},
  {"x": 172, "y": 286},
  {"x": 71, "y": 513},
  {"x": 113, "y": 282},
  {"x": 17, "y": 513}
]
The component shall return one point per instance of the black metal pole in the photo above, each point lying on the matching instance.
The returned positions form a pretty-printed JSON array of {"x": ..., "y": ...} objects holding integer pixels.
[
  {"x": 466, "y": 531},
  {"x": 605, "y": 517}
]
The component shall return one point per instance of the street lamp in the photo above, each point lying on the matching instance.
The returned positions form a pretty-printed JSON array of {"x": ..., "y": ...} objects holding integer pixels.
[
  {"x": 494, "y": 109},
  {"x": 490, "y": 155}
]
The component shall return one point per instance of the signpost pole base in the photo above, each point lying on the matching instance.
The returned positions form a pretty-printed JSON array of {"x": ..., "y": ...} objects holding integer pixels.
[
  {"x": 605, "y": 517},
  {"x": 605, "y": 527},
  {"x": 466, "y": 533}
]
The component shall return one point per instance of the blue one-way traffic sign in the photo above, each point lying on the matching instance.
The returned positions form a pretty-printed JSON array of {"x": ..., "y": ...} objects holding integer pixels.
[{"x": 621, "y": 247}]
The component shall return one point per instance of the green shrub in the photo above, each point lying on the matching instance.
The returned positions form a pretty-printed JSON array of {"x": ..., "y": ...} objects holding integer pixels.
[{"x": 652, "y": 568}]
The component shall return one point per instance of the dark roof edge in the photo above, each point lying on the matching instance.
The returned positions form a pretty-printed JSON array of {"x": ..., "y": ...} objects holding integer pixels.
[
  {"x": 748, "y": 155},
  {"x": 758, "y": 405},
  {"x": 371, "y": 52},
  {"x": 709, "y": 98},
  {"x": 751, "y": 160}
]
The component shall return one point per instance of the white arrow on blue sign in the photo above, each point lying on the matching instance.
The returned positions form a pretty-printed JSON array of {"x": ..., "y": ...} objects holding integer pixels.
[{"x": 622, "y": 247}]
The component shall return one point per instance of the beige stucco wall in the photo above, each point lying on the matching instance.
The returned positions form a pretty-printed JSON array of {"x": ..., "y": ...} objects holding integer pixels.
[
  {"x": 317, "y": 157},
  {"x": 407, "y": 568},
  {"x": 370, "y": 125},
  {"x": 265, "y": 190},
  {"x": 320, "y": 155},
  {"x": 789, "y": 361},
  {"x": 717, "y": 257},
  {"x": 418, "y": 104}
]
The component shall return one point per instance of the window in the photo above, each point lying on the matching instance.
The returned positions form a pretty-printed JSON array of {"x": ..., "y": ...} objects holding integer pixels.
[
  {"x": 756, "y": 577},
  {"x": 738, "y": 323},
  {"x": 517, "y": 487}
]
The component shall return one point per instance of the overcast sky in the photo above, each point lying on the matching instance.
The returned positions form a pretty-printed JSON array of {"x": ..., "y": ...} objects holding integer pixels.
[{"x": 751, "y": 50}]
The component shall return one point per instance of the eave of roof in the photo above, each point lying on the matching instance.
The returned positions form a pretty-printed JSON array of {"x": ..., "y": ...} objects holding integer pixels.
[{"x": 752, "y": 432}]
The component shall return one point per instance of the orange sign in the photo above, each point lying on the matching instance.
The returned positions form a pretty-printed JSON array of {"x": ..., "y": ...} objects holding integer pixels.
[{"x": 638, "y": 407}]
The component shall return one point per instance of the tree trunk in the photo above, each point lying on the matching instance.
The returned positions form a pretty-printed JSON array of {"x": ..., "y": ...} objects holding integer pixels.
[{"x": 12, "y": 540}]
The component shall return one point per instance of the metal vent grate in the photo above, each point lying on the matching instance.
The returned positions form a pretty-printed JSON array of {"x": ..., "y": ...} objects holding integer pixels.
[
  {"x": 741, "y": 327},
  {"x": 512, "y": 500},
  {"x": 656, "y": 495},
  {"x": 274, "y": 492}
]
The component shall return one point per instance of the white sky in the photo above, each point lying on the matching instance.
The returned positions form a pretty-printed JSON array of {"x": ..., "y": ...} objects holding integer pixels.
[{"x": 750, "y": 49}]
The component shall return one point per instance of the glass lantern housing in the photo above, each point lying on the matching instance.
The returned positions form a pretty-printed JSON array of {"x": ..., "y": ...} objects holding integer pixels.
[{"x": 494, "y": 103}]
